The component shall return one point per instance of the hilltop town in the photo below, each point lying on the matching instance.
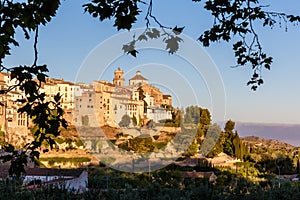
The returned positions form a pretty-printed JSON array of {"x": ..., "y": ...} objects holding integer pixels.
[
  {"x": 90, "y": 105},
  {"x": 98, "y": 109}
]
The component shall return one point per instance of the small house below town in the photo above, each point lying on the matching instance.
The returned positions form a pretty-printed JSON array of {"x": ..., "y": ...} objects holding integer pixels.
[
  {"x": 71, "y": 179},
  {"x": 194, "y": 175}
]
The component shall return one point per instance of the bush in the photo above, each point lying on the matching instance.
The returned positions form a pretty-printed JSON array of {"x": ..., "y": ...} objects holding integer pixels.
[
  {"x": 53, "y": 160},
  {"x": 79, "y": 143},
  {"x": 125, "y": 121},
  {"x": 160, "y": 145},
  {"x": 59, "y": 140}
]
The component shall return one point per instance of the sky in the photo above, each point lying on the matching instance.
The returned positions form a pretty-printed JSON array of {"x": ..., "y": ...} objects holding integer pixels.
[{"x": 72, "y": 45}]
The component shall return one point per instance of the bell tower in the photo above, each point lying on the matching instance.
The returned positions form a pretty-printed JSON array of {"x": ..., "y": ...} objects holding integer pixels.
[{"x": 119, "y": 77}]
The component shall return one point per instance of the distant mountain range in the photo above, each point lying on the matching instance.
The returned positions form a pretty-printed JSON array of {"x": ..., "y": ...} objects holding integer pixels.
[{"x": 289, "y": 133}]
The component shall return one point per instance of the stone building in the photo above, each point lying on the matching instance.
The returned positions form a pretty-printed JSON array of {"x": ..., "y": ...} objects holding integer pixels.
[
  {"x": 13, "y": 124},
  {"x": 153, "y": 92},
  {"x": 119, "y": 77},
  {"x": 103, "y": 103},
  {"x": 67, "y": 90},
  {"x": 167, "y": 99},
  {"x": 84, "y": 111},
  {"x": 138, "y": 79}
]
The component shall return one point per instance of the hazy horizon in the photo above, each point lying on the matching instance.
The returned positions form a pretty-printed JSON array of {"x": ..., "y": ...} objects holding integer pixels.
[{"x": 288, "y": 133}]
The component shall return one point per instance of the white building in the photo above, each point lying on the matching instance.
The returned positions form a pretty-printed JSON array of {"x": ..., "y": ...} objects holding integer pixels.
[
  {"x": 120, "y": 99},
  {"x": 67, "y": 90},
  {"x": 157, "y": 113},
  {"x": 84, "y": 111},
  {"x": 71, "y": 179}
]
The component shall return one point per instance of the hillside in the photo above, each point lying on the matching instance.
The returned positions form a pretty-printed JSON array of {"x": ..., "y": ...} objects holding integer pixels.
[
  {"x": 258, "y": 142},
  {"x": 288, "y": 133}
]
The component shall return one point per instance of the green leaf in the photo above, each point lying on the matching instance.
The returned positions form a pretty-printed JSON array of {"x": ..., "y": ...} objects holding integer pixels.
[
  {"x": 57, "y": 97},
  {"x": 177, "y": 30},
  {"x": 142, "y": 37}
]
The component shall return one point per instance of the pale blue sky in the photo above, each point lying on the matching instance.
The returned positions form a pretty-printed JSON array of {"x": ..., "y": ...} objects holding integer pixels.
[{"x": 66, "y": 42}]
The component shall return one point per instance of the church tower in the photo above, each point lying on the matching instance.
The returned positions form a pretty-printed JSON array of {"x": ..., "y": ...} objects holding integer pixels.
[{"x": 119, "y": 77}]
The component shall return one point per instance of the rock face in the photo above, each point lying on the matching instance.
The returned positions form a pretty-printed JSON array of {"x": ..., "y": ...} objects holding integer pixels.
[{"x": 18, "y": 136}]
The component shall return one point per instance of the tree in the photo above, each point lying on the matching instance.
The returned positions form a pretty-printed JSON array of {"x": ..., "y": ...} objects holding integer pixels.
[
  {"x": 134, "y": 120},
  {"x": 192, "y": 114},
  {"x": 231, "y": 142},
  {"x": 205, "y": 118},
  {"x": 228, "y": 147},
  {"x": 2, "y": 137},
  {"x": 177, "y": 117},
  {"x": 229, "y": 126},
  {"x": 142, "y": 144},
  {"x": 142, "y": 97},
  {"x": 150, "y": 124},
  {"x": 232, "y": 20},
  {"x": 211, "y": 145},
  {"x": 192, "y": 150},
  {"x": 125, "y": 121}
]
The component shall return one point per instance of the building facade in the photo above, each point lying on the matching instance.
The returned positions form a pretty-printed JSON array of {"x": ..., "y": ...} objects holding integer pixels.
[{"x": 93, "y": 105}]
